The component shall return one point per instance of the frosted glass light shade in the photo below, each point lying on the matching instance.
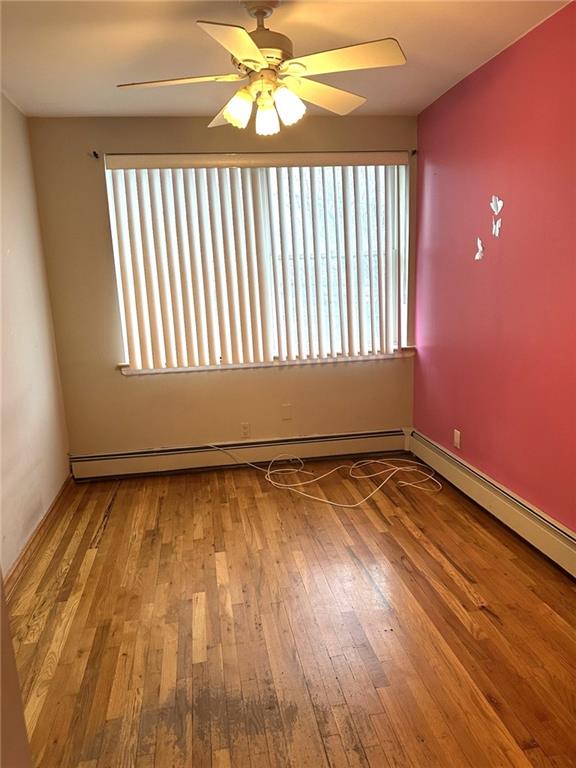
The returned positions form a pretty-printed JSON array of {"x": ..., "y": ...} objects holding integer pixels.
[
  {"x": 238, "y": 110},
  {"x": 267, "y": 122},
  {"x": 290, "y": 107}
]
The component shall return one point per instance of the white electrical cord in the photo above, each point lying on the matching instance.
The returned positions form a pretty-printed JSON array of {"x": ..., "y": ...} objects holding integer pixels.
[{"x": 390, "y": 470}]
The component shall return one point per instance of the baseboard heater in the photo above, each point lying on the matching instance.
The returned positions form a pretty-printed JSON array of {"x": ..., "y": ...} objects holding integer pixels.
[
  {"x": 203, "y": 456},
  {"x": 547, "y": 535}
]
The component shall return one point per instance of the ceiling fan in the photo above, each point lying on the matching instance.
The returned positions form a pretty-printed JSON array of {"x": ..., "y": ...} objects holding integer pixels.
[{"x": 277, "y": 81}]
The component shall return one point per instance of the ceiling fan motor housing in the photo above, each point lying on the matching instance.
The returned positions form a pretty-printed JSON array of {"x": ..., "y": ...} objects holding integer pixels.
[{"x": 274, "y": 46}]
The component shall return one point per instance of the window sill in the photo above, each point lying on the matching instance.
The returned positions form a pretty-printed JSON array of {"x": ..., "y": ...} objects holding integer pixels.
[{"x": 401, "y": 353}]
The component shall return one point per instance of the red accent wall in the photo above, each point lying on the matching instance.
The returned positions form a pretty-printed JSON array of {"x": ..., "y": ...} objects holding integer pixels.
[{"x": 496, "y": 338}]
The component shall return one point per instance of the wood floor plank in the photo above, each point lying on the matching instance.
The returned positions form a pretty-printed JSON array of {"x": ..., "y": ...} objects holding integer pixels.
[{"x": 210, "y": 620}]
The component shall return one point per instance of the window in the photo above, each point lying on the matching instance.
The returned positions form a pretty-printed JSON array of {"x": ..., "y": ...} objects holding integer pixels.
[{"x": 243, "y": 260}]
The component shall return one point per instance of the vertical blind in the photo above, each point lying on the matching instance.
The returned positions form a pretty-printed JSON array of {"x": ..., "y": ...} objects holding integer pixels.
[{"x": 225, "y": 266}]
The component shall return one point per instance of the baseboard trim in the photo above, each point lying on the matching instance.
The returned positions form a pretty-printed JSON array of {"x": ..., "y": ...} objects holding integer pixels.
[
  {"x": 550, "y": 537},
  {"x": 36, "y": 538},
  {"x": 204, "y": 456}
]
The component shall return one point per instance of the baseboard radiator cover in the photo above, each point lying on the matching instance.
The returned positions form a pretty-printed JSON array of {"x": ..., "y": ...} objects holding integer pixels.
[
  {"x": 88, "y": 466},
  {"x": 548, "y": 536}
]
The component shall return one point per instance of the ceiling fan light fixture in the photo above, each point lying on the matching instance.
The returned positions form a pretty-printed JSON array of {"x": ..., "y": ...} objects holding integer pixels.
[
  {"x": 290, "y": 106},
  {"x": 238, "y": 110},
  {"x": 267, "y": 122}
]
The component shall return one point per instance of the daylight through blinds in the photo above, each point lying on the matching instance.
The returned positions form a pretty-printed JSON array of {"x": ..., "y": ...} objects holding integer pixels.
[{"x": 242, "y": 265}]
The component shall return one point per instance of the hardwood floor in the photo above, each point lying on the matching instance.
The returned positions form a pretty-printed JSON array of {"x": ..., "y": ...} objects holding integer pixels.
[{"x": 210, "y": 620}]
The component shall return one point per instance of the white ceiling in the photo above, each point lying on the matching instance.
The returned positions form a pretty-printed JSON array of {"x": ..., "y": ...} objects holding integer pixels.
[{"x": 64, "y": 58}]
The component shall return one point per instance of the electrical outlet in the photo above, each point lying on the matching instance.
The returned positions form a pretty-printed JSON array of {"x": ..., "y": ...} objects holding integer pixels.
[
  {"x": 245, "y": 429},
  {"x": 286, "y": 411},
  {"x": 456, "y": 438}
]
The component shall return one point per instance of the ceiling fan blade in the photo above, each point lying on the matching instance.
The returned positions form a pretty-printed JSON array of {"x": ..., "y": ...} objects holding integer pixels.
[
  {"x": 378, "y": 53},
  {"x": 237, "y": 41},
  {"x": 232, "y": 78},
  {"x": 219, "y": 119},
  {"x": 326, "y": 96}
]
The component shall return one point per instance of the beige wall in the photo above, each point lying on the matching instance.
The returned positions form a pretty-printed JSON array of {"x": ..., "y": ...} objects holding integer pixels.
[
  {"x": 109, "y": 412},
  {"x": 34, "y": 439}
]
